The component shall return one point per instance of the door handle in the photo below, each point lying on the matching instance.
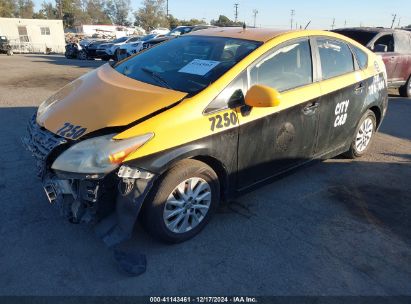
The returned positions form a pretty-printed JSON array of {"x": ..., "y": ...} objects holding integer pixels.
[{"x": 311, "y": 108}]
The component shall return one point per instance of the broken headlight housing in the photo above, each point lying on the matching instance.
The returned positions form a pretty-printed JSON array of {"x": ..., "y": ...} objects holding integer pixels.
[{"x": 98, "y": 155}]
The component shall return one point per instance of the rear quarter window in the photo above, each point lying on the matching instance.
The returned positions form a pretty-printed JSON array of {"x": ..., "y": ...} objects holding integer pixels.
[
  {"x": 362, "y": 57},
  {"x": 402, "y": 42}
]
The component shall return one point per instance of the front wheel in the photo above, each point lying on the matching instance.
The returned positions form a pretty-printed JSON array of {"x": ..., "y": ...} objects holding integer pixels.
[
  {"x": 82, "y": 55},
  {"x": 9, "y": 53},
  {"x": 182, "y": 202},
  {"x": 405, "y": 90},
  {"x": 363, "y": 135}
]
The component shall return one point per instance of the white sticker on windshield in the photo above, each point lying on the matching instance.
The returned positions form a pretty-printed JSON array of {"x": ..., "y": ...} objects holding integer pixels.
[{"x": 199, "y": 67}]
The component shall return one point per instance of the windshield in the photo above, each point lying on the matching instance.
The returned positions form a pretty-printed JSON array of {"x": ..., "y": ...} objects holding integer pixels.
[
  {"x": 133, "y": 39},
  {"x": 187, "y": 64},
  {"x": 148, "y": 37},
  {"x": 361, "y": 37},
  {"x": 180, "y": 31}
]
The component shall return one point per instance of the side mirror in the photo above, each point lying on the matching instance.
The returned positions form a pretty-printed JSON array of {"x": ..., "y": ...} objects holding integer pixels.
[
  {"x": 262, "y": 96},
  {"x": 380, "y": 48}
]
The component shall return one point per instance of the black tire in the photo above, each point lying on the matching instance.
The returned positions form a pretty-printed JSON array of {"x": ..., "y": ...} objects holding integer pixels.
[
  {"x": 105, "y": 58},
  {"x": 153, "y": 209},
  {"x": 82, "y": 55},
  {"x": 9, "y": 53},
  {"x": 116, "y": 56},
  {"x": 405, "y": 90},
  {"x": 353, "y": 152}
]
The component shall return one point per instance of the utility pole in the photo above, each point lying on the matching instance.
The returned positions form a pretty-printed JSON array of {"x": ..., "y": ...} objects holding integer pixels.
[
  {"x": 167, "y": 8},
  {"x": 236, "y": 12},
  {"x": 61, "y": 9},
  {"x": 333, "y": 25},
  {"x": 345, "y": 23},
  {"x": 255, "y": 12},
  {"x": 399, "y": 21},
  {"x": 393, "y": 20},
  {"x": 292, "y": 17}
]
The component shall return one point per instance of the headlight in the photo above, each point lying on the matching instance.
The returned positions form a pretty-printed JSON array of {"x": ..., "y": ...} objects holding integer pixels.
[{"x": 98, "y": 155}]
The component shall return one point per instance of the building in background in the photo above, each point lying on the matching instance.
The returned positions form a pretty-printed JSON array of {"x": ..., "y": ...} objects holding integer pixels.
[{"x": 34, "y": 35}]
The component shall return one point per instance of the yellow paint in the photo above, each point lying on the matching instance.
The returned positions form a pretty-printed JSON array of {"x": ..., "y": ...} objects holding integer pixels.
[
  {"x": 186, "y": 122},
  {"x": 262, "y": 96}
]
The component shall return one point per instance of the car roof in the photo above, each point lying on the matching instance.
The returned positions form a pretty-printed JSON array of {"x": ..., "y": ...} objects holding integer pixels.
[
  {"x": 367, "y": 29},
  {"x": 256, "y": 34}
]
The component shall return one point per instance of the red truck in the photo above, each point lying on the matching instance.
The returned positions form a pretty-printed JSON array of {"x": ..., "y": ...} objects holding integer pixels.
[{"x": 395, "y": 48}]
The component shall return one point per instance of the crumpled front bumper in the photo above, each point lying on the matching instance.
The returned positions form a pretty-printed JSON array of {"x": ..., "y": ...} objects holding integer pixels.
[
  {"x": 102, "y": 201},
  {"x": 41, "y": 143}
]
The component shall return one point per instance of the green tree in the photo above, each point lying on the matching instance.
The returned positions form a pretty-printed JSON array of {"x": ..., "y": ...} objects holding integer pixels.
[
  {"x": 48, "y": 11},
  {"x": 151, "y": 15},
  {"x": 118, "y": 11},
  {"x": 7, "y": 8},
  {"x": 225, "y": 21},
  {"x": 192, "y": 21},
  {"x": 25, "y": 9},
  {"x": 173, "y": 22},
  {"x": 71, "y": 11},
  {"x": 95, "y": 10}
]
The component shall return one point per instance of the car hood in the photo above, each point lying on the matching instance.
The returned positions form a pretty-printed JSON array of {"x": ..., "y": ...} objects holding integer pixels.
[{"x": 104, "y": 98}]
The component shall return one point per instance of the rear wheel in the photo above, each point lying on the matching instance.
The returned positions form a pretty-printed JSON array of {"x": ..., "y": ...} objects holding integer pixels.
[
  {"x": 363, "y": 136},
  {"x": 182, "y": 202},
  {"x": 9, "y": 53},
  {"x": 405, "y": 90}
]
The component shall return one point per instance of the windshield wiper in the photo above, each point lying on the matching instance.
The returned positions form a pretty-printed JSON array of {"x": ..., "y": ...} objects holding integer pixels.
[{"x": 157, "y": 77}]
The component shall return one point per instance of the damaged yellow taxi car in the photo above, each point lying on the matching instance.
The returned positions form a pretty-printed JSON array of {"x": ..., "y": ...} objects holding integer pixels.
[{"x": 168, "y": 134}]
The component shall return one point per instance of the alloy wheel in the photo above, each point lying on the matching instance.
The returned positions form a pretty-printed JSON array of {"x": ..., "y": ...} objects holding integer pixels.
[
  {"x": 364, "y": 135},
  {"x": 187, "y": 205}
]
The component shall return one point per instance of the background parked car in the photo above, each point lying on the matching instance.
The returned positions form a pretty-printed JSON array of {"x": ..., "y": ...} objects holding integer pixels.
[
  {"x": 89, "y": 49},
  {"x": 5, "y": 47},
  {"x": 106, "y": 51},
  {"x": 178, "y": 31},
  {"x": 160, "y": 31},
  {"x": 132, "y": 47},
  {"x": 395, "y": 48}
]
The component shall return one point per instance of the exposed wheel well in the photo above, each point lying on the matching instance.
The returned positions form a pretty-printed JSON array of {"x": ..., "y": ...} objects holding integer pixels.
[
  {"x": 377, "y": 113},
  {"x": 218, "y": 168}
]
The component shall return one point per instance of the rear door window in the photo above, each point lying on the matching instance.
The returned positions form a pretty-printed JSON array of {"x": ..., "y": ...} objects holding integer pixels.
[
  {"x": 286, "y": 68},
  {"x": 336, "y": 58}
]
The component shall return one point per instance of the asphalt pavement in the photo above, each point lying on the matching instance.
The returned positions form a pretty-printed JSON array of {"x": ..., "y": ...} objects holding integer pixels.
[{"x": 338, "y": 227}]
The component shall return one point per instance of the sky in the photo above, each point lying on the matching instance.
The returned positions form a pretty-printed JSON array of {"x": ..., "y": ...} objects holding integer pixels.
[{"x": 277, "y": 14}]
